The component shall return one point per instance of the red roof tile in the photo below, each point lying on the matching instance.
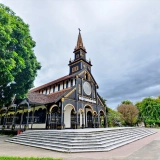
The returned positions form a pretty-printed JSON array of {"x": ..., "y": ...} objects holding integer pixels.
[{"x": 35, "y": 97}]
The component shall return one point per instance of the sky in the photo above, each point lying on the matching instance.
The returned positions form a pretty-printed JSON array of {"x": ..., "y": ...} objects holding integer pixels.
[{"x": 122, "y": 39}]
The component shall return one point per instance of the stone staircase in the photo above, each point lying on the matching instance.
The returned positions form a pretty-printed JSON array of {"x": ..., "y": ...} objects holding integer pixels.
[{"x": 81, "y": 140}]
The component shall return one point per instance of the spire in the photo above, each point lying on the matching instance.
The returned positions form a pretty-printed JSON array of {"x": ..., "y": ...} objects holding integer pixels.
[{"x": 79, "y": 42}]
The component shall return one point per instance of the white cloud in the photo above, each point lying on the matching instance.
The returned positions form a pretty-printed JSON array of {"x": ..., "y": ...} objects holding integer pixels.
[{"x": 122, "y": 39}]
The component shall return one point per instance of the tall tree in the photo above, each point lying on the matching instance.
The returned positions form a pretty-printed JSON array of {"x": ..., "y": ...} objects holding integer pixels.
[
  {"x": 129, "y": 113},
  {"x": 127, "y": 102},
  {"x": 149, "y": 111},
  {"x": 18, "y": 63},
  {"x": 114, "y": 118}
]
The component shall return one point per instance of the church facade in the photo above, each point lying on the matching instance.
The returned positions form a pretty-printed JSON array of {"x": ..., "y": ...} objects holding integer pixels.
[{"x": 71, "y": 101}]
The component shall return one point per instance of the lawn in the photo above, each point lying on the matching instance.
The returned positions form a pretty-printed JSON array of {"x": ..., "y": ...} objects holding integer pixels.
[{"x": 26, "y": 158}]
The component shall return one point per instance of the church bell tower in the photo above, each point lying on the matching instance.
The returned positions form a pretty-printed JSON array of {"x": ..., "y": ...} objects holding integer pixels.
[{"x": 79, "y": 62}]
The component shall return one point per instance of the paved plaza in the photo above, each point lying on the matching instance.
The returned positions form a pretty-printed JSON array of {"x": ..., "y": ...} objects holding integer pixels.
[{"x": 145, "y": 149}]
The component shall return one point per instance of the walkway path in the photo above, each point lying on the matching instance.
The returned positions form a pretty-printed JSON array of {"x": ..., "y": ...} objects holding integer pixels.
[{"x": 145, "y": 149}]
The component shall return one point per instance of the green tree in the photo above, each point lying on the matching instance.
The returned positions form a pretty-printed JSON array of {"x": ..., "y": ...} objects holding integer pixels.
[
  {"x": 104, "y": 103},
  {"x": 126, "y": 102},
  {"x": 18, "y": 63},
  {"x": 129, "y": 113},
  {"x": 114, "y": 118},
  {"x": 149, "y": 109}
]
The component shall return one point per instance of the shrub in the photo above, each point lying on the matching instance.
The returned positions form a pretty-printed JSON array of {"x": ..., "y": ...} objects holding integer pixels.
[{"x": 8, "y": 132}]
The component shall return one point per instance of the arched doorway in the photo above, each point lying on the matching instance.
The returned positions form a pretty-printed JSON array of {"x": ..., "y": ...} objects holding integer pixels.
[
  {"x": 55, "y": 117},
  {"x": 39, "y": 116},
  {"x": 88, "y": 111},
  {"x": 95, "y": 120},
  {"x": 89, "y": 119},
  {"x": 102, "y": 119},
  {"x": 69, "y": 116},
  {"x": 73, "y": 119}
]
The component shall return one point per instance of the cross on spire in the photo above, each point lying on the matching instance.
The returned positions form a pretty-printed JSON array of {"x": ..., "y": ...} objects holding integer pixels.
[{"x": 79, "y": 41}]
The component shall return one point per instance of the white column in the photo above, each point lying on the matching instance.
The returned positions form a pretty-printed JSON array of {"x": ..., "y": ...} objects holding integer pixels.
[
  {"x": 80, "y": 119},
  {"x": 69, "y": 84},
  {"x": 56, "y": 88},
  {"x": 73, "y": 82},
  {"x": 61, "y": 86}
]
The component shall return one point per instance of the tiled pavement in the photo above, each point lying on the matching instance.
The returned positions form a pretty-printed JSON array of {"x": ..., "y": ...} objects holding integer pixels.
[{"x": 145, "y": 149}]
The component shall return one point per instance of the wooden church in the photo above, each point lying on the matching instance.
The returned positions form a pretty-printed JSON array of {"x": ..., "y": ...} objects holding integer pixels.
[{"x": 71, "y": 101}]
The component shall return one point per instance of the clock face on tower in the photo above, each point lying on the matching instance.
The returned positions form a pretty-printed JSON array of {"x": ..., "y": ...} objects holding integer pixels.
[{"x": 87, "y": 88}]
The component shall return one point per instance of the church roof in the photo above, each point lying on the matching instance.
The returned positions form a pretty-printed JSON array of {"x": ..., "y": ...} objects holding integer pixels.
[
  {"x": 51, "y": 83},
  {"x": 79, "y": 42},
  {"x": 37, "y": 98}
]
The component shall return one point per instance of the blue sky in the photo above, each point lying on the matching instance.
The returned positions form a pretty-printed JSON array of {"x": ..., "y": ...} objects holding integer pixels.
[{"x": 122, "y": 38}]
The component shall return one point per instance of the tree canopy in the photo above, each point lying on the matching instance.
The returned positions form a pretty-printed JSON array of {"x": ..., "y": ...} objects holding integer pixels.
[
  {"x": 129, "y": 113},
  {"x": 114, "y": 118},
  {"x": 18, "y": 63},
  {"x": 149, "y": 111},
  {"x": 127, "y": 102}
]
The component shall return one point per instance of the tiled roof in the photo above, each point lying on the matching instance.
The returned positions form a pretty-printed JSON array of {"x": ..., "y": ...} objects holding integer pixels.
[
  {"x": 51, "y": 83},
  {"x": 55, "y": 96},
  {"x": 38, "y": 98},
  {"x": 34, "y": 97}
]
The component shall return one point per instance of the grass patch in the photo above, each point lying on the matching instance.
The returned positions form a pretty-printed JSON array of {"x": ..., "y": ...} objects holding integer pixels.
[
  {"x": 11, "y": 135},
  {"x": 26, "y": 158}
]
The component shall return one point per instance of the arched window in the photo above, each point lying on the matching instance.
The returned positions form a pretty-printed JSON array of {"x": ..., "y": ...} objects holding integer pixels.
[{"x": 86, "y": 76}]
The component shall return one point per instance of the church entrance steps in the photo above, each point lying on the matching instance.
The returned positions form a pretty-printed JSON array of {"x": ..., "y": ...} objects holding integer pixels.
[
  {"x": 66, "y": 139},
  {"x": 81, "y": 140}
]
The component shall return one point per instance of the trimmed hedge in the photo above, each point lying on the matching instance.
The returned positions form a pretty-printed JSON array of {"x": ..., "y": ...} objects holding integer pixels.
[
  {"x": 26, "y": 158},
  {"x": 8, "y": 132}
]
